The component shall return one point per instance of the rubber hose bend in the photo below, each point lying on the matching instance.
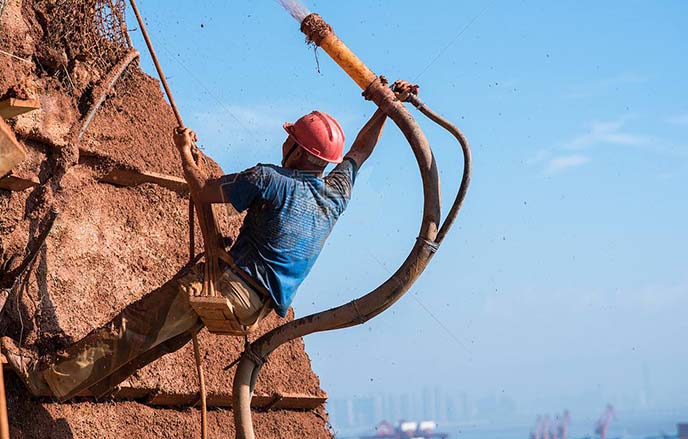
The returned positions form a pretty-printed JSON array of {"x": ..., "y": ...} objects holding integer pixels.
[{"x": 467, "y": 163}]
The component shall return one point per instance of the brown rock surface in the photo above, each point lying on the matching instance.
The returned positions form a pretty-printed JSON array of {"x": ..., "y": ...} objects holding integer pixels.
[
  {"x": 129, "y": 419},
  {"x": 110, "y": 245}
]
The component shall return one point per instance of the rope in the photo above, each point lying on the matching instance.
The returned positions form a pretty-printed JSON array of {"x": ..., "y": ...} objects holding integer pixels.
[
  {"x": 201, "y": 380},
  {"x": 251, "y": 354},
  {"x": 4, "y": 421},
  {"x": 192, "y": 250},
  {"x": 254, "y": 357},
  {"x": 359, "y": 317},
  {"x": 248, "y": 353},
  {"x": 163, "y": 80},
  {"x": 432, "y": 246}
]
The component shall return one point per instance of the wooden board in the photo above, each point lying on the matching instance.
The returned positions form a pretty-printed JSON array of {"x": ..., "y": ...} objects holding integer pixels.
[
  {"x": 17, "y": 184},
  {"x": 14, "y": 107},
  {"x": 276, "y": 401},
  {"x": 215, "y": 312},
  {"x": 175, "y": 400},
  {"x": 299, "y": 402},
  {"x": 11, "y": 151},
  {"x": 262, "y": 402},
  {"x": 127, "y": 177}
]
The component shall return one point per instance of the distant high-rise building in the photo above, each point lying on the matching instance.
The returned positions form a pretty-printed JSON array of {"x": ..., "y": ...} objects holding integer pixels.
[
  {"x": 405, "y": 409},
  {"x": 440, "y": 405},
  {"x": 428, "y": 407},
  {"x": 430, "y": 404},
  {"x": 364, "y": 411},
  {"x": 378, "y": 402},
  {"x": 451, "y": 409},
  {"x": 466, "y": 410},
  {"x": 646, "y": 395}
]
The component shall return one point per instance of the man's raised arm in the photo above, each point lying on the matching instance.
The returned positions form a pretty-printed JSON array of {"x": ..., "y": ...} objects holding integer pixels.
[{"x": 367, "y": 138}]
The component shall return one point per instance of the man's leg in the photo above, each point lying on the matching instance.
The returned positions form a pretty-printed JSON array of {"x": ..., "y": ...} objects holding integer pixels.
[
  {"x": 142, "y": 332},
  {"x": 248, "y": 306},
  {"x": 107, "y": 385},
  {"x": 25, "y": 363}
]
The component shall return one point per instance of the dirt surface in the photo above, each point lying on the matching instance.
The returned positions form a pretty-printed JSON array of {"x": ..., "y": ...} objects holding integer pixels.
[
  {"x": 287, "y": 370},
  {"x": 138, "y": 100},
  {"x": 30, "y": 419},
  {"x": 109, "y": 245}
]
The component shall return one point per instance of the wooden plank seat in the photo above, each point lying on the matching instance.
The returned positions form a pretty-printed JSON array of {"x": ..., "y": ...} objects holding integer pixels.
[
  {"x": 11, "y": 151},
  {"x": 12, "y": 107}
]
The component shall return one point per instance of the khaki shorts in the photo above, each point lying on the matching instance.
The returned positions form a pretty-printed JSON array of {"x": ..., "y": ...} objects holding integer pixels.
[{"x": 249, "y": 307}]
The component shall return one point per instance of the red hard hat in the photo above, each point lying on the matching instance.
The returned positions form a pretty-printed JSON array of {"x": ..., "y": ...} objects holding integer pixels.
[{"x": 320, "y": 134}]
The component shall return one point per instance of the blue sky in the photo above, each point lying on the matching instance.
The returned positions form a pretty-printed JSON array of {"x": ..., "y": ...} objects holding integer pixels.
[{"x": 566, "y": 272}]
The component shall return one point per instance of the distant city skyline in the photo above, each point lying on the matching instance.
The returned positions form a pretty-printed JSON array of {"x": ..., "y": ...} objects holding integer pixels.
[
  {"x": 452, "y": 410},
  {"x": 430, "y": 404},
  {"x": 443, "y": 405}
]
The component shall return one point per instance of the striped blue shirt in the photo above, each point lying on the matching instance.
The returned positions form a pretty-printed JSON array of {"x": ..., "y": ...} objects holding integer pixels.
[{"x": 290, "y": 215}]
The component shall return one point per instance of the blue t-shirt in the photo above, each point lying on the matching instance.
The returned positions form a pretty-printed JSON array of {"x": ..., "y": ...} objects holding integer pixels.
[{"x": 290, "y": 215}]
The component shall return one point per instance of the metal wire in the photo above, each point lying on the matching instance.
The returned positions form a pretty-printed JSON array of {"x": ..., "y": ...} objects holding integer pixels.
[
  {"x": 453, "y": 40},
  {"x": 91, "y": 30}
]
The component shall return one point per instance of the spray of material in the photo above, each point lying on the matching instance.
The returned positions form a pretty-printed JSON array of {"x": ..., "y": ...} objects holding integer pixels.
[{"x": 295, "y": 9}]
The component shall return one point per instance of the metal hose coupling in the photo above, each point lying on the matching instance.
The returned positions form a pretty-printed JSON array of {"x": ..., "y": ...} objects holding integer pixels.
[
  {"x": 369, "y": 92},
  {"x": 412, "y": 97}
]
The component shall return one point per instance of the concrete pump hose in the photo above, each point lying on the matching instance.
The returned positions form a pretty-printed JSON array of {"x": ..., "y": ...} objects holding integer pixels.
[
  {"x": 467, "y": 163},
  {"x": 371, "y": 304}
]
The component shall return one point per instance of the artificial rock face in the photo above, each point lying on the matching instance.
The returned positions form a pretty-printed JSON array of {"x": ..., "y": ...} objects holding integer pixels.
[{"x": 107, "y": 245}]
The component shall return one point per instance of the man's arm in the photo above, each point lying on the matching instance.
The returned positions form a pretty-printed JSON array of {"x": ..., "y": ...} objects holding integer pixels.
[
  {"x": 367, "y": 138},
  {"x": 370, "y": 133},
  {"x": 203, "y": 190}
]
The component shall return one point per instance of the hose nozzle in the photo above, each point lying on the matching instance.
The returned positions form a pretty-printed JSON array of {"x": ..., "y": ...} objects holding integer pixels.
[{"x": 320, "y": 33}]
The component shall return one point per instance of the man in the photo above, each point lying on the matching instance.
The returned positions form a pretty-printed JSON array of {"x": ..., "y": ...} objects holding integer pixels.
[{"x": 291, "y": 210}]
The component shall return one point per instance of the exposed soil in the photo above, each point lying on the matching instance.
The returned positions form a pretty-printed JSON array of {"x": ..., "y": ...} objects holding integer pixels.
[
  {"x": 30, "y": 419},
  {"x": 138, "y": 101},
  {"x": 109, "y": 245}
]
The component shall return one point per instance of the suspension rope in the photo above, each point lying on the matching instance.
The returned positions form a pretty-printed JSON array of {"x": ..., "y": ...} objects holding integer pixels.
[{"x": 192, "y": 249}]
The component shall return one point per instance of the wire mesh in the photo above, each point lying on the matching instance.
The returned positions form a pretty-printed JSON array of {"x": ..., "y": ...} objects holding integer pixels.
[{"x": 91, "y": 31}]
